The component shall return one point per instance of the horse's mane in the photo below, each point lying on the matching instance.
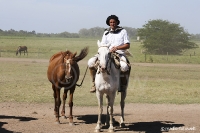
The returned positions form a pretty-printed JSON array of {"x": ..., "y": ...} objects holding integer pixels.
[{"x": 54, "y": 56}]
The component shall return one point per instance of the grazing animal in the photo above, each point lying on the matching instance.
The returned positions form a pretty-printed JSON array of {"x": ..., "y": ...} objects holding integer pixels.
[
  {"x": 20, "y": 49},
  {"x": 107, "y": 81},
  {"x": 63, "y": 71}
]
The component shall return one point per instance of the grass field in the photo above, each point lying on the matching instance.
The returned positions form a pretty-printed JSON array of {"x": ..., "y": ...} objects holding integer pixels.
[
  {"x": 175, "y": 81},
  {"x": 44, "y": 48}
]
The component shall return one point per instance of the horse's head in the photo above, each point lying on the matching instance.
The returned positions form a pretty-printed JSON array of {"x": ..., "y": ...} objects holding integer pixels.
[
  {"x": 17, "y": 50},
  {"x": 103, "y": 56},
  {"x": 68, "y": 62}
]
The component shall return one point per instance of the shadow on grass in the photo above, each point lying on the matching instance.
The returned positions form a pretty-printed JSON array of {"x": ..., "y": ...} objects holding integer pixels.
[
  {"x": 146, "y": 127},
  {"x": 3, "y": 130}
]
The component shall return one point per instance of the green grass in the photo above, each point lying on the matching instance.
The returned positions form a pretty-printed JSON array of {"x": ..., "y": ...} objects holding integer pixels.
[
  {"x": 44, "y": 48},
  {"x": 165, "y": 84},
  {"x": 154, "y": 83},
  {"x": 27, "y": 82}
]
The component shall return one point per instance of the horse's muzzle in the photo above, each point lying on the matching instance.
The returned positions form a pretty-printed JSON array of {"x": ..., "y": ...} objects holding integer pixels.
[{"x": 68, "y": 79}]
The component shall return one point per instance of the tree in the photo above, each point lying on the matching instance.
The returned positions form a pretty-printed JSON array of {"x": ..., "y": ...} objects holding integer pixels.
[{"x": 161, "y": 36}]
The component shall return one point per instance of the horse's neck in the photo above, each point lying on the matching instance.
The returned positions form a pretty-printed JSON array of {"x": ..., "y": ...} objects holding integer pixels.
[{"x": 112, "y": 71}]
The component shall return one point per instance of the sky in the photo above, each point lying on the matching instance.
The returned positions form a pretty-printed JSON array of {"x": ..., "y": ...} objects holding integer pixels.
[{"x": 56, "y": 16}]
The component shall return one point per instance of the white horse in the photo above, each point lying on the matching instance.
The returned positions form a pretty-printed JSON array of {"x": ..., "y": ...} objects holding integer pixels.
[{"x": 107, "y": 81}]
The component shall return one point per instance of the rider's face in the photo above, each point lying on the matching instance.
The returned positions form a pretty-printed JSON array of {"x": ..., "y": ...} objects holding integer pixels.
[{"x": 113, "y": 23}]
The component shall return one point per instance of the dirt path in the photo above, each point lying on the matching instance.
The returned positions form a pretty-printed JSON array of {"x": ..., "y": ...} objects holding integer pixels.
[
  {"x": 140, "y": 118},
  {"x": 137, "y": 64}
]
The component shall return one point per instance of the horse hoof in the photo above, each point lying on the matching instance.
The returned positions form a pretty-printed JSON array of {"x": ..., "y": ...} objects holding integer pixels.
[
  {"x": 71, "y": 124},
  {"x": 57, "y": 122},
  {"x": 122, "y": 125},
  {"x": 111, "y": 130},
  {"x": 97, "y": 130},
  {"x": 64, "y": 117}
]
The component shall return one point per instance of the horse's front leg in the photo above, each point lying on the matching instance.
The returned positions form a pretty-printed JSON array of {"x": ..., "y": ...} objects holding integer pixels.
[
  {"x": 64, "y": 101},
  {"x": 110, "y": 110},
  {"x": 100, "y": 110},
  {"x": 71, "y": 106},
  {"x": 57, "y": 104},
  {"x": 107, "y": 110}
]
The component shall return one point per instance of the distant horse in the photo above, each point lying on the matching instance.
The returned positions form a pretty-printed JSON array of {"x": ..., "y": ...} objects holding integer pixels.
[
  {"x": 107, "y": 81},
  {"x": 20, "y": 49},
  {"x": 63, "y": 71}
]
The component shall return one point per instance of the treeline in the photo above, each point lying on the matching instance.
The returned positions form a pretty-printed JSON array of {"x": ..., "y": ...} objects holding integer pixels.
[
  {"x": 195, "y": 36},
  {"x": 92, "y": 32},
  {"x": 83, "y": 33},
  {"x": 33, "y": 33}
]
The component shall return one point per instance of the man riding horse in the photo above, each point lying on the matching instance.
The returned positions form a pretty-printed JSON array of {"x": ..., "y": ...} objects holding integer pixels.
[{"x": 119, "y": 40}]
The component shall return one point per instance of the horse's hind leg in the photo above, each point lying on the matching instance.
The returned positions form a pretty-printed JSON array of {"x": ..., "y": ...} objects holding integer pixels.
[
  {"x": 64, "y": 101},
  {"x": 122, "y": 104},
  {"x": 107, "y": 111}
]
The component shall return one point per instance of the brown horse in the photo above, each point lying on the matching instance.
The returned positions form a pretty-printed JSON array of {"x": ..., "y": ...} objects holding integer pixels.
[
  {"x": 63, "y": 71},
  {"x": 20, "y": 49}
]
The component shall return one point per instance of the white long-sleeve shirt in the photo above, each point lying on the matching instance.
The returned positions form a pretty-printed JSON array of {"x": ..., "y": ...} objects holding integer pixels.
[{"x": 116, "y": 39}]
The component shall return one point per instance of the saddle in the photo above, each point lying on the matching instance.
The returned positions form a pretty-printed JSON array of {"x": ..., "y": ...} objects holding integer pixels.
[{"x": 115, "y": 58}]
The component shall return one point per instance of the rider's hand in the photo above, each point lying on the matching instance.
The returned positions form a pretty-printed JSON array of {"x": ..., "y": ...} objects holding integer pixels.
[{"x": 113, "y": 49}]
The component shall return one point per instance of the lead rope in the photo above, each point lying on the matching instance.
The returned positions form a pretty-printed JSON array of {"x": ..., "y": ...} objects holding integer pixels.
[{"x": 79, "y": 85}]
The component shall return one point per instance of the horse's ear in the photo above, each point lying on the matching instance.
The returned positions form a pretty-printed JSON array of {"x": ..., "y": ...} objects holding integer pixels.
[
  {"x": 74, "y": 54},
  {"x": 98, "y": 43}
]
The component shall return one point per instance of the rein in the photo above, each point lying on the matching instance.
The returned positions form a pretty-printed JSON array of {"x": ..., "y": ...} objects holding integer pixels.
[
  {"x": 83, "y": 78},
  {"x": 115, "y": 59},
  {"x": 108, "y": 62}
]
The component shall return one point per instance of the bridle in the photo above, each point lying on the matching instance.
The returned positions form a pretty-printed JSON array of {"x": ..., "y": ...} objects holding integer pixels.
[
  {"x": 108, "y": 64},
  {"x": 68, "y": 76}
]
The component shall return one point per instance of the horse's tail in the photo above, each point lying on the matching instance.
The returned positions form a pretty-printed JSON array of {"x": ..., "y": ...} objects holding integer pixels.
[{"x": 82, "y": 54}]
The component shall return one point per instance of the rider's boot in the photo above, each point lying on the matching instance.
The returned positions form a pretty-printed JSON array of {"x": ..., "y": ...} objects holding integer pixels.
[
  {"x": 124, "y": 77},
  {"x": 92, "y": 74}
]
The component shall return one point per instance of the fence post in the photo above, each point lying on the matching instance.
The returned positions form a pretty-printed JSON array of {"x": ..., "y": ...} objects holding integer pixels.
[{"x": 167, "y": 56}]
